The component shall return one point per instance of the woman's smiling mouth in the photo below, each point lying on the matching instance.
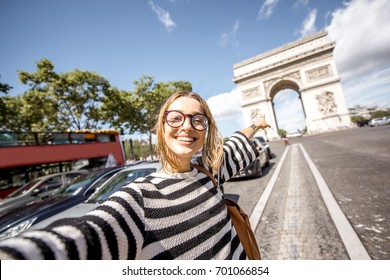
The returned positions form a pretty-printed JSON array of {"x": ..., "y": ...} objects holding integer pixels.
[{"x": 185, "y": 139}]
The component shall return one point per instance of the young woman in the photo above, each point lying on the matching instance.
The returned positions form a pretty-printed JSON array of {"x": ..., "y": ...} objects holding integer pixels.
[{"x": 175, "y": 213}]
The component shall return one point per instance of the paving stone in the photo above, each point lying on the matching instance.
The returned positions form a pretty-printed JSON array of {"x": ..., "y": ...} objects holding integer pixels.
[{"x": 295, "y": 223}]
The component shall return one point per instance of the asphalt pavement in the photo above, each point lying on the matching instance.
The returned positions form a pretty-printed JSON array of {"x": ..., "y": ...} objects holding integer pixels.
[{"x": 308, "y": 204}]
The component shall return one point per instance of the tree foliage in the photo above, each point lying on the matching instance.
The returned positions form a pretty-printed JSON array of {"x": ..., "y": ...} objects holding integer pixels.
[
  {"x": 380, "y": 114},
  {"x": 9, "y": 106},
  {"x": 356, "y": 119},
  {"x": 79, "y": 100},
  {"x": 5, "y": 88},
  {"x": 11, "y": 114},
  {"x": 60, "y": 101},
  {"x": 118, "y": 109},
  {"x": 282, "y": 132}
]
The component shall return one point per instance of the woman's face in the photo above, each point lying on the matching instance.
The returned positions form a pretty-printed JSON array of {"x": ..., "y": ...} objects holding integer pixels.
[{"x": 184, "y": 141}]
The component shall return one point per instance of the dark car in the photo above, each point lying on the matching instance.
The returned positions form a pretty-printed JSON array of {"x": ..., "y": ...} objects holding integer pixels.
[
  {"x": 255, "y": 169},
  {"x": 15, "y": 222},
  {"x": 123, "y": 177},
  {"x": 37, "y": 189},
  {"x": 363, "y": 123},
  {"x": 265, "y": 144}
]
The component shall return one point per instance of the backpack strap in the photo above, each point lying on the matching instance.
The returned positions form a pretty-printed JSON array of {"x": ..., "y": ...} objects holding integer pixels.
[{"x": 205, "y": 171}]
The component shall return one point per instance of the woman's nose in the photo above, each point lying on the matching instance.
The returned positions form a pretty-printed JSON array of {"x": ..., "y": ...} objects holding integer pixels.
[{"x": 187, "y": 123}]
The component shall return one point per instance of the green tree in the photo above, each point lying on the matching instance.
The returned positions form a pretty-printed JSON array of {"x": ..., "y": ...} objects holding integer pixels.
[
  {"x": 118, "y": 109},
  {"x": 356, "y": 119},
  {"x": 380, "y": 114},
  {"x": 11, "y": 114},
  {"x": 60, "y": 101},
  {"x": 11, "y": 111},
  {"x": 282, "y": 132},
  {"x": 5, "y": 88}
]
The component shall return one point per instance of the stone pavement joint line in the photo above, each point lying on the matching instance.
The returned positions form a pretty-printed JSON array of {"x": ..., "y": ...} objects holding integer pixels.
[
  {"x": 292, "y": 217},
  {"x": 352, "y": 243},
  {"x": 295, "y": 222},
  {"x": 255, "y": 216}
]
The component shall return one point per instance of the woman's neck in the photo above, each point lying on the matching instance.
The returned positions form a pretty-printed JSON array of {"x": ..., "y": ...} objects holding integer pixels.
[{"x": 183, "y": 168}]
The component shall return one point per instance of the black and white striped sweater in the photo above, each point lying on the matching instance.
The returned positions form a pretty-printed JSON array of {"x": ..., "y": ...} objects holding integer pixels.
[{"x": 161, "y": 216}]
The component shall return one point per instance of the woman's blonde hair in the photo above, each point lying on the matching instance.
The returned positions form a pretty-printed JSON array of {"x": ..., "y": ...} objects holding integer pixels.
[{"x": 212, "y": 153}]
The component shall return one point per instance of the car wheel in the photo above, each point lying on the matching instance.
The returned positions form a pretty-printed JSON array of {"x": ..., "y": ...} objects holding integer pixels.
[
  {"x": 267, "y": 162},
  {"x": 259, "y": 170}
]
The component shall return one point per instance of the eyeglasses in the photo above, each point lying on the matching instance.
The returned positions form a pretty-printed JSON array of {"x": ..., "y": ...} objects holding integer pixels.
[{"x": 176, "y": 119}]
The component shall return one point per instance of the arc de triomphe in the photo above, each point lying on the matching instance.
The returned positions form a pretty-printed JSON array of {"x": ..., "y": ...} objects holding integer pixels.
[{"x": 306, "y": 66}]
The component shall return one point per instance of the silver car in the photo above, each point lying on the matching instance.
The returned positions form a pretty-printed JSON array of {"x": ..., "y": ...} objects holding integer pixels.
[
  {"x": 37, "y": 189},
  {"x": 379, "y": 121},
  {"x": 113, "y": 184}
]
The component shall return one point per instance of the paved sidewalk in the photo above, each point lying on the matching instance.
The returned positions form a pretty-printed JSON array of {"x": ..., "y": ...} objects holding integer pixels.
[{"x": 295, "y": 223}]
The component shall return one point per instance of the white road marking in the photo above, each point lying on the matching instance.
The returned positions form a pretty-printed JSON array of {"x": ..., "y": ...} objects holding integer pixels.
[
  {"x": 352, "y": 243},
  {"x": 257, "y": 212}
]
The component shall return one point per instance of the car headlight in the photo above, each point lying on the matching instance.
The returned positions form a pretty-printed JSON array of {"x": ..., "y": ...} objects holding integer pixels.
[{"x": 19, "y": 228}]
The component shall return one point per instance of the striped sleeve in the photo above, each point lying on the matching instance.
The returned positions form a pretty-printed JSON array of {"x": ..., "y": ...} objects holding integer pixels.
[
  {"x": 239, "y": 152},
  {"x": 114, "y": 230}
]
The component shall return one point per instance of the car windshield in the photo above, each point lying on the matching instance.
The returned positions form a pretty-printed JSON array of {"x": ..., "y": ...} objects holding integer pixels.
[
  {"x": 24, "y": 189},
  {"x": 77, "y": 185},
  {"x": 116, "y": 182}
]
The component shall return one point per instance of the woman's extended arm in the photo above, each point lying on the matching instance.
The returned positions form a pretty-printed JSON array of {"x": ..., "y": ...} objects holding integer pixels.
[
  {"x": 251, "y": 131},
  {"x": 114, "y": 230}
]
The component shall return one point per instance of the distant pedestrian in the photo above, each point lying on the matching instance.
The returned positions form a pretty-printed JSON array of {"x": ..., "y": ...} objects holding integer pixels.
[{"x": 285, "y": 140}]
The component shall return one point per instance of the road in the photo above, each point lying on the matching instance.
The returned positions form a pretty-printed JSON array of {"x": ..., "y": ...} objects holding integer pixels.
[{"x": 324, "y": 196}]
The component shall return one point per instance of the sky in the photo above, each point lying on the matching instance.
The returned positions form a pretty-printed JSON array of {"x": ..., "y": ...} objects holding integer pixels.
[{"x": 197, "y": 41}]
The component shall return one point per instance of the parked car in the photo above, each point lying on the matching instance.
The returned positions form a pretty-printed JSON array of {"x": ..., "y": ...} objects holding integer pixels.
[
  {"x": 363, "y": 123},
  {"x": 14, "y": 222},
  {"x": 255, "y": 169},
  {"x": 265, "y": 144},
  {"x": 379, "y": 121},
  {"x": 37, "y": 189},
  {"x": 126, "y": 175}
]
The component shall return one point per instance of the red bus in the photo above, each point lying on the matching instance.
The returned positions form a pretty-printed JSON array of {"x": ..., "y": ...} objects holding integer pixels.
[{"x": 27, "y": 155}]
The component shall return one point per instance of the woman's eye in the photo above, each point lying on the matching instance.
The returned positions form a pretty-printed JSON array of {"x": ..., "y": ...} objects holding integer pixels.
[
  {"x": 198, "y": 120},
  {"x": 177, "y": 119}
]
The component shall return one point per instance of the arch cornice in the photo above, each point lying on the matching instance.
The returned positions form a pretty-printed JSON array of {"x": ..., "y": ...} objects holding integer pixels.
[{"x": 277, "y": 84}]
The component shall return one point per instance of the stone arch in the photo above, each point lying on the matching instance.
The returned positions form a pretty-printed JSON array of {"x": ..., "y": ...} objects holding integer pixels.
[
  {"x": 306, "y": 66},
  {"x": 282, "y": 84},
  {"x": 285, "y": 83}
]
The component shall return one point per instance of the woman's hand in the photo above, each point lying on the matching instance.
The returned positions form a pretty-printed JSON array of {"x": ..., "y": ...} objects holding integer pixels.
[{"x": 261, "y": 123}]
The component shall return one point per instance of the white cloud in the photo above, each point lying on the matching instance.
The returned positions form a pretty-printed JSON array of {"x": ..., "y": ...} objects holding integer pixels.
[
  {"x": 267, "y": 9},
  {"x": 308, "y": 25},
  {"x": 362, "y": 37},
  {"x": 372, "y": 89},
  {"x": 299, "y": 3},
  {"x": 226, "y": 110},
  {"x": 231, "y": 36},
  {"x": 225, "y": 106},
  {"x": 163, "y": 16}
]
